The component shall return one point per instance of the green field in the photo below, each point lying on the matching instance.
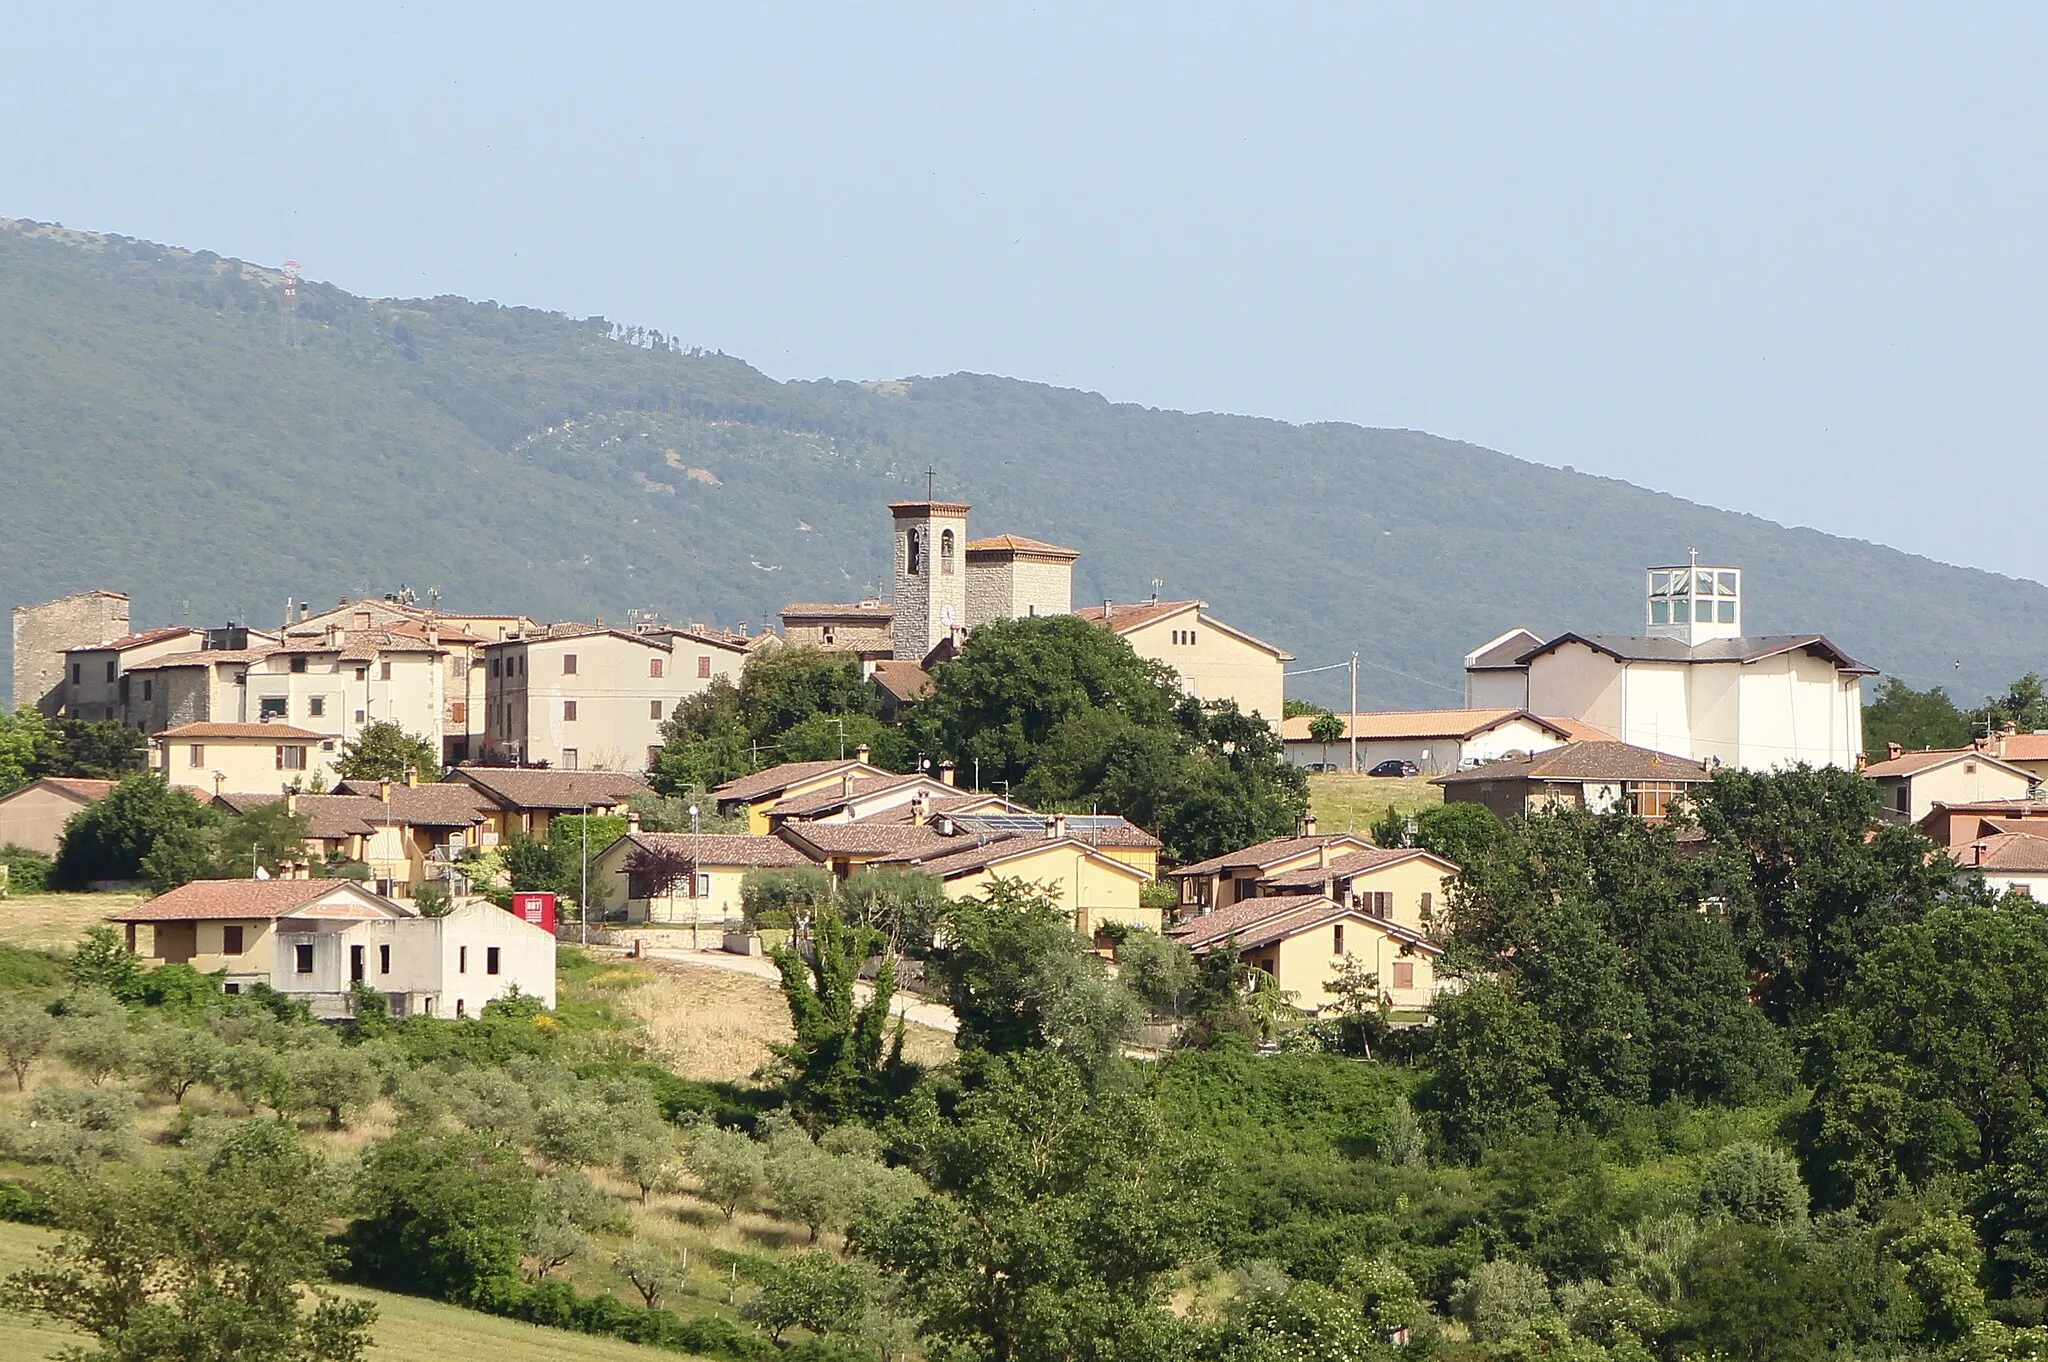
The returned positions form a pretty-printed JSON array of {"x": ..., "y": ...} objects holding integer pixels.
[
  {"x": 407, "y": 1330},
  {"x": 1348, "y": 803},
  {"x": 51, "y": 921}
]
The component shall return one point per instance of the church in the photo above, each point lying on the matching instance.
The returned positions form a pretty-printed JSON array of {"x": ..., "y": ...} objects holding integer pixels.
[{"x": 1692, "y": 683}]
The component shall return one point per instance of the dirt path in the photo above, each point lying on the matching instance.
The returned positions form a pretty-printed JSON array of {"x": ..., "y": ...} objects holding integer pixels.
[{"x": 937, "y": 1016}]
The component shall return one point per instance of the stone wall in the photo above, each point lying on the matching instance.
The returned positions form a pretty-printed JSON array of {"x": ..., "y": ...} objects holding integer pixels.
[{"x": 42, "y": 633}]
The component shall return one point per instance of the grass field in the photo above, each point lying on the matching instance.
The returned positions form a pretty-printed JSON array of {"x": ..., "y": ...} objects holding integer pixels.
[
  {"x": 1348, "y": 803},
  {"x": 407, "y": 1330},
  {"x": 47, "y": 921}
]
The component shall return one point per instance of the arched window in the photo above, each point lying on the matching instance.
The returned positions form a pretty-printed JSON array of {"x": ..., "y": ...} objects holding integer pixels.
[
  {"x": 946, "y": 552},
  {"x": 913, "y": 554}
]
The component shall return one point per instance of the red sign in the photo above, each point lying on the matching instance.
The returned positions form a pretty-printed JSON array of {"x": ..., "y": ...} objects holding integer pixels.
[{"x": 539, "y": 909}]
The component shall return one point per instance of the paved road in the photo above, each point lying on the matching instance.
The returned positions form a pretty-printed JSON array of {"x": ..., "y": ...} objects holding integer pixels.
[{"x": 935, "y": 1015}]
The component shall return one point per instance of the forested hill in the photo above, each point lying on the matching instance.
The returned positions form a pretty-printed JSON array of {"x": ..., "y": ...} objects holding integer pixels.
[{"x": 164, "y": 432}]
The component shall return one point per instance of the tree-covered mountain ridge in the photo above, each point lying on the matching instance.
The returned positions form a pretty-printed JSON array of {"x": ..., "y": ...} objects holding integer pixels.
[{"x": 167, "y": 429}]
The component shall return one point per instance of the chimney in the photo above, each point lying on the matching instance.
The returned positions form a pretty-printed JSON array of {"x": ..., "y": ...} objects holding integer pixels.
[
  {"x": 220, "y": 783},
  {"x": 846, "y": 785},
  {"x": 632, "y": 822},
  {"x": 333, "y": 635},
  {"x": 412, "y": 777},
  {"x": 1892, "y": 751},
  {"x": 1976, "y": 853},
  {"x": 291, "y": 802},
  {"x": 1108, "y": 610},
  {"x": 948, "y": 772},
  {"x": 1308, "y": 823},
  {"x": 1322, "y": 855},
  {"x": 862, "y": 753},
  {"x": 384, "y": 791},
  {"x": 305, "y": 609},
  {"x": 1055, "y": 825},
  {"x": 920, "y": 808}
]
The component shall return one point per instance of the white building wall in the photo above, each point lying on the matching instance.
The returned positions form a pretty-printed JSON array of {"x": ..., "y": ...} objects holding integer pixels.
[
  {"x": 1574, "y": 682},
  {"x": 1656, "y": 710},
  {"x": 1797, "y": 708},
  {"x": 1497, "y": 690},
  {"x": 1716, "y": 706}
]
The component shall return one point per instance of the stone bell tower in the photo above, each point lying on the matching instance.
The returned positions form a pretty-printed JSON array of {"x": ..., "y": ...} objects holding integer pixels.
[{"x": 931, "y": 575}]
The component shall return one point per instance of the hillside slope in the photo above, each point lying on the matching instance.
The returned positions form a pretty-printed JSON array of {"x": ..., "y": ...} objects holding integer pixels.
[{"x": 159, "y": 435}]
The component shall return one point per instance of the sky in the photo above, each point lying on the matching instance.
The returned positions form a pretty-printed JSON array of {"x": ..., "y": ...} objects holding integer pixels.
[{"x": 1781, "y": 258}]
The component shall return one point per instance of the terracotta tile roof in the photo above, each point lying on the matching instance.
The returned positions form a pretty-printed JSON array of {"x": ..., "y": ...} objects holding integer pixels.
[
  {"x": 835, "y": 796},
  {"x": 1751, "y": 648},
  {"x": 2022, "y": 746},
  {"x": 2014, "y": 852},
  {"x": 1122, "y": 616},
  {"x": 206, "y": 900},
  {"x": 867, "y": 837},
  {"x": 955, "y": 804},
  {"x": 1240, "y": 916},
  {"x": 360, "y": 645},
  {"x": 272, "y": 732},
  {"x": 443, "y": 804},
  {"x": 1004, "y": 544},
  {"x": 204, "y": 658},
  {"x": 1913, "y": 763},
  {"x": 77, "y": 786},
  {"x": 716, "y": 848},
  {"x": 139, "y": 640},
  {"x": 512, "y": 787},
  {"x": 1274, "y": 851},
  {"x": 776, "y": 779},
  {"x": 905, "y": 680},
  {"x": 1582, "y": 761},
  {"x": 997, "y": 850},
  {"x": 877, "y": 613},
  {"x": 1270, "y": 930},
  {"x": 1344, "y": 867},
  {"x": 328, "y": 817}
]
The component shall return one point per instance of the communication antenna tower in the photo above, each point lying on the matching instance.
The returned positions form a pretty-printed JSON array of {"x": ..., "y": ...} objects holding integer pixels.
[{"x": 291, "y": 302}]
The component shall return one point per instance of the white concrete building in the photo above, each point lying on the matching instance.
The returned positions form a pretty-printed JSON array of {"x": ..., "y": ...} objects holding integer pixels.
[
  {"x": 1436, "y": 740},
  {"x": 1693, "y": 683}
]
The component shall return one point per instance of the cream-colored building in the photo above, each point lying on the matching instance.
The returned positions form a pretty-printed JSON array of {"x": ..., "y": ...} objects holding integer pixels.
[
  {"x": 337, "y": 684},
  {"x": 1091, "y": 888},
  {"x": 314, "y": 939},
  {"x": 756, "y": 795},
  {"x": 1912, "y": 783},
  {"x": 527, "y": 800},
  {"x": 203, "y": 686},
  {"x": 96, "y": 675},
  {"x": 1211, "y": 660},
  {"x": 1305, "y": 941},
  {"x": 1435, "y": 740},
  {"x": 1694, "y": 685},
  {"x": 699, "y": 888},
  {"x": 1403, "y": 885},
  {"x": 1494, "y": 675},
  {"x": 260, "y": 757},
  {"x": 1599, "y": 777},
  {"x": 584, "y": 697},
  {"x": 1224, "y": 880},
  {"x": 34, "y": 815}
]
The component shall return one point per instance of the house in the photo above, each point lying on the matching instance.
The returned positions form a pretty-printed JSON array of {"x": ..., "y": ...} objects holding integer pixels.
[
  {"x": 1211, "y": 660},
  {"x": 862, "y": 627},
  {"x": 1403, "y": 885},
  {"x": 238, "y": 756},
  {"x": 1304, "y": 940},
  {"x": 929, "y": 827},
  {"x": 2010, "y": 862},
  {"x": 899, "y": 685},
  {"x": 338, "y": 682},
  {"x": 584, "y": 697},
  {"x": 760, "y": 792},
  {"x": 1435, "y": 740},
  {"x": 699, "y": 885},
  {"x": 1234, "y": 876},
  {"x": 1597, "y": 776},
  {"x": 855, "y": 796},
  {"x": 43, "y": 636},
  {"x": 205, "y": 685},
  {"x": 1694, "y": 684},
  {"x": 403, "y": 833},
  {"x": 1495, "y": 677},
  {"x": 1090, "y": 888},
  {"x": 34, "y": 815},
  {"x": 1912, "y": 783},
  {"x": 2028, "y": 751},
  {"x": 1959, "y": 824},
  {"x": 526, "y": 800},
  {"x": 96, "y": 673},
  {"x": 312, "y": 939}
]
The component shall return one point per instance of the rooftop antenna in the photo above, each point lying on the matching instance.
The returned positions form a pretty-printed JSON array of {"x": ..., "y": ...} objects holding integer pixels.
[
  {"x": 291, "y": 303},
  {"x": 434, "y": 598},
  {"x": 1156, "y": 585}
]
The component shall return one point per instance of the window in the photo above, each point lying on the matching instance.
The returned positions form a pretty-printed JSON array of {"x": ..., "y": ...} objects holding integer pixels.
[
  {"x": 654, "y": 666},
  {"x": 359, "y": 716},
  {"x": 302, "y": 958},
  {"x": 461, "y": 1011},
  {"x": 273, "y": 707},
  {"x": 497, "y": 664},
  {"x": 568, "y": 664},
  {"x": 113, "y": 666},
  {"x": 383, "y": 671},
  {"x": 703, "y": 666},
  {"x": 654, "y": 710},
  {"x": 316, "y": 706},
  {"x": 1653, "y": 798},
  {"x": 1428, "y": 902},
  {"x": 362, "y": 673},
  {"x": 490, "y": 960},
  {"x": 77, "y": 673},
  {"x": 1660, "y": 612},
  {"x": 197, "y": 756},
  {"x": 299, "y": 662},
  {"x": 569, "y": 759},
  {"x": 231, "y": 940},
  {"x": 827, "y": 635},
  {"x": 946, "y": 553},
  {"x": 355, "y": 964},
  {"x": 232, "y": 990},
  {"x": 568, "y": 711},
  {"x": 1248, "y": 887},
  {"x": 1902, "y": 797},
  {"x": 702, "y": 888},
  {"x": 1338, "y": 939},
  {"x": 458, "y": 712},
  {"x": 384, "y": 959},
  {"x": 913, "y": 553},
  {"x": 653, "y": 756},
  {"x": 1703, "y": 612},
  {"x": 148, "y": 686},
  {"x": 1727, "y": 612},
  {"x": 462, "y": 959},
  {"x": 291, "y": 758},
  {"x": 1404, "y": 974}
]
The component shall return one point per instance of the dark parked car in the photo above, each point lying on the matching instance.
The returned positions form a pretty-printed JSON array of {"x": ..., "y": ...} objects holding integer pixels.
[{"x": 1394, "y": 766}]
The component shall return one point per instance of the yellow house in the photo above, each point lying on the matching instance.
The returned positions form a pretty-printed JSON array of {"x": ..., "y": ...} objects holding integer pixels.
[
  {"x": 404, "y": 834},
  {"x": 209, "y": 756},
  {"x": 525, "y": 800},
  {"x": 1404, "y": 885},
  {"x": 231, "y": 926},
  {"x": 1212, "y": 660},
  {"x": 1304, "y": 941},
  {"x": 1223, "y": 880},
  {"x": 757, "y": 794},
  {"x": 698, "y": 884},
  {"x": 1091, "y": 888}
]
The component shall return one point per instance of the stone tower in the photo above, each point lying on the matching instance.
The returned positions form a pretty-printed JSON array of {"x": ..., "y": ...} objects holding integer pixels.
[
  {"x": 43, "y": 632},
  {"x": 931, "y": 575}
]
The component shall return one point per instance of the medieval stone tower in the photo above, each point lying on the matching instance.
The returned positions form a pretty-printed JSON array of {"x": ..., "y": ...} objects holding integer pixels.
[{"x": 931, "y": 576}]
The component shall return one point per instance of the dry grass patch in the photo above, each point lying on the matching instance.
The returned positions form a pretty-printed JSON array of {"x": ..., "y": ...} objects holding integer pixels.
[
  {"x": 51, "y": 921},
  {"x": 1348, "y": 803}
]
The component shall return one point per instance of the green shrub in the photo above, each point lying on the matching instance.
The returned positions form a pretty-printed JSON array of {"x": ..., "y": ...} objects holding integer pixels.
[{"x": 28, "y": 870}]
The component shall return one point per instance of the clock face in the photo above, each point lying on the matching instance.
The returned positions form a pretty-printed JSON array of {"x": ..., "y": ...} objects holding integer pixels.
[{"x": 946, "y": 615}]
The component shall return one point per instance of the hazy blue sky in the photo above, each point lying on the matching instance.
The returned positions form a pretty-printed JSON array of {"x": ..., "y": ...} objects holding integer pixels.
[{"x": 1787, "y": 259}]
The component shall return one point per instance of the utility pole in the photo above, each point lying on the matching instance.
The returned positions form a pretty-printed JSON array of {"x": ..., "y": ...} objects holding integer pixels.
[
  {"x": 1352, "y": 731},
  {"x": 583, "y": 904}
]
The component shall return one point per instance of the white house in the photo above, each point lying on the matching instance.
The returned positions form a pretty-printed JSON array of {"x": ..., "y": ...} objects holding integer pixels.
[
  {"x": 1693, "y": 684},
  {"x": 1436, "y": 740}
]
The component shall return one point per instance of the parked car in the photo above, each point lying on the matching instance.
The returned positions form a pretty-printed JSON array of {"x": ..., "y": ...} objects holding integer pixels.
[
  {"x": 1394, "y": 766},
  {"x": 1321, "y": 767}
]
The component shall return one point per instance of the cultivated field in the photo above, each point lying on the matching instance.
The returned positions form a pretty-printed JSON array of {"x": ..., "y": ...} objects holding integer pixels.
[
  {"x": 1348, "y": 803},
  {"x": 51, "y": 921}
]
